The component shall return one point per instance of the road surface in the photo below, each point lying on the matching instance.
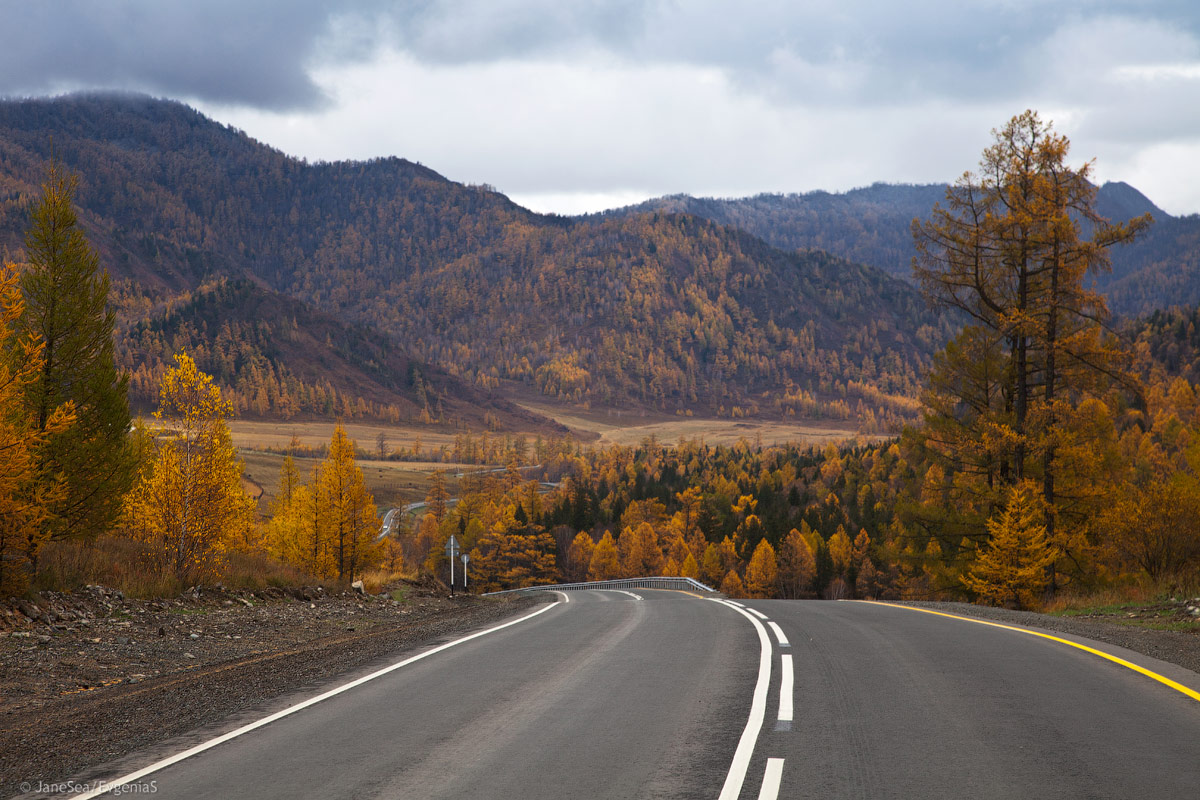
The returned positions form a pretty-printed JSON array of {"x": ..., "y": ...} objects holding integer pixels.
[{"x": 649, "y": 694}]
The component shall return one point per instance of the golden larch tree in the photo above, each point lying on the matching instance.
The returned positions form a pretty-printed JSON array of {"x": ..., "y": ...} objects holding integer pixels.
[
  {"x": 605, "y": 564},
  {"x": 732, "y": 586},
  {"x": 24, "y": 498},
  {"x": 353, "y": 522},
  {"x": 1012, "y": 568},
  {"x": 579, "y": 557},
  {"x": 763, "y": 572},
  {"x": 797, "y": 565},
  {"x": 191, "y": 504}
]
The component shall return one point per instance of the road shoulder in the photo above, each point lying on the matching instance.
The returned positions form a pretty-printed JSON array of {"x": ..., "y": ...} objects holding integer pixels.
[{"x": 64, "y": 737}]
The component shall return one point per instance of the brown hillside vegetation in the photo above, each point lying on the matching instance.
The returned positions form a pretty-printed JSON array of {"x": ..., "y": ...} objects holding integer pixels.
[
  {"x": 664, "y": 311},
  {"x": 279, "y": 358}
]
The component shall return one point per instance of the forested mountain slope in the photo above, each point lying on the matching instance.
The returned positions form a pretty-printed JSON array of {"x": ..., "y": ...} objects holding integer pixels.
[
  {"x": 667, "y": 311},
  {"x": 277, "y": 357},
  {"x": 1168, "y": 342},
  {"x": 872, "y": 226}
]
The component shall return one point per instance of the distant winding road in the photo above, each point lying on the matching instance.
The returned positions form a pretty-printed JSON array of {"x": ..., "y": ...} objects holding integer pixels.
[{"x": 648, "y": 694}]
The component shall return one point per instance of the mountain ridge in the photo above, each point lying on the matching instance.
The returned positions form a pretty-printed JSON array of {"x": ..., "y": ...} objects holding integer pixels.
[
  {"x": 871, "y": 225},
  {"x": 671, "y": 312}
]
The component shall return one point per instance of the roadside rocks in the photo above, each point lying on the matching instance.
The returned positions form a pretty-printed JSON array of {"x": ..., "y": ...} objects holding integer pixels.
[
  {"x": 144, "y": 670},
  {"x": 62, "y": 643}
]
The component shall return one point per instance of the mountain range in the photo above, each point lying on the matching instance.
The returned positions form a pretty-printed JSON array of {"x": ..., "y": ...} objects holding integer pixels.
[
  {"x": 382, "y": 289},
  {"x": 872, "y": 225}
]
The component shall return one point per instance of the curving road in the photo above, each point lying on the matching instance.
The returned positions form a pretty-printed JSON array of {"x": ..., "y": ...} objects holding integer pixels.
[{"x": 650, "y": 694}]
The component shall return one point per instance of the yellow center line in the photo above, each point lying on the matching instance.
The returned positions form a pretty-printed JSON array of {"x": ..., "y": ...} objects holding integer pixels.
[{"x": 1179, "y": 687}]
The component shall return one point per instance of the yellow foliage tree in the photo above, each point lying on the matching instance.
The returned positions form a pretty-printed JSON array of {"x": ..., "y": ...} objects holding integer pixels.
[
  {"x": 353, "y": 522},
  {"x": 328, "y": 526},
  {"x": 731, "y": 586},
  {"x": 798, "y": 565},
  {"x": 1012, "y": 568},
  {"x": 762, "y": 573},
  {"x": 841, "y": 551},
  {"x": 511, "y": 554},
  {"x": 642, "y": 556},
  {"x": 605, "y": 565},
  {"x": 711, "y": 567},
  {"x": 191, "y": 505},
  {"x": 1157, "y": 527},
  {"x": 579, "y": 557},
  {"x": 24, "y": 500},
  {"x": 689, "y": 568}
]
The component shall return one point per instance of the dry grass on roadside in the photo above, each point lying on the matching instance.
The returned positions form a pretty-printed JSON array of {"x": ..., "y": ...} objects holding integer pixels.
[
  {"x": 376, "y": 579},
  {"x": 117, "y": 563},
  {"x": 1124, "y": 599}
]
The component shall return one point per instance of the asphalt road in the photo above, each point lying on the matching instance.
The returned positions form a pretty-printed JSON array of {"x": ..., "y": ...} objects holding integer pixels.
[{"x": 611, "y": 696}]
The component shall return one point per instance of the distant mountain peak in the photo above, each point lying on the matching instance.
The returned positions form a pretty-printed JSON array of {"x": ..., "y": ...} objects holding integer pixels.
[{"x": 1119, "y": 201}]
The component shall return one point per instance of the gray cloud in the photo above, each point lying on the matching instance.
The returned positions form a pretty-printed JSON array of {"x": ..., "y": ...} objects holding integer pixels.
[
  {"x": 617, "y": 97},
  {"x": 250, "y": 53},
  {"x": 834, "y": 52}
]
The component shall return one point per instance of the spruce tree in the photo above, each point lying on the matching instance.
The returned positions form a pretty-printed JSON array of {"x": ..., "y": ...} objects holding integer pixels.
[{"x": 66, "y": 295}]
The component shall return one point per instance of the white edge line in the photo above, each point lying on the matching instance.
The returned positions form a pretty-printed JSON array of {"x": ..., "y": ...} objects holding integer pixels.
[
  {"x": 758, "y": 614},
  {"x": 783, "y": 640},
  {"x": 731, "y": 602},
  {"x": 565, "y": 597},
  {"x": 108, "y": 786},
  {"x": 772, "y": 777},
  {"x": 758, "y": 711},
  {"x": 786, "y": 677}
]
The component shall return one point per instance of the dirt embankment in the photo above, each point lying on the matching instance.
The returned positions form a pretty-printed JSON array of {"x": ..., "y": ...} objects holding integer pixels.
[{"x": 91, "y": 676}]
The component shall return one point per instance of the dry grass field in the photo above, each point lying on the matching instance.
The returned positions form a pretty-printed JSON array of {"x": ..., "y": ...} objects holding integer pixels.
[
  {"x": 395, "y": 483},
  {"x": 258, "y": 435},
  {"x": 630, "y": 428}
]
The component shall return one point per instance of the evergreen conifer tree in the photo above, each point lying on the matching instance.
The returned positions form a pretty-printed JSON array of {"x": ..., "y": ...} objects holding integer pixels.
[{"x": 66, "y": 295}]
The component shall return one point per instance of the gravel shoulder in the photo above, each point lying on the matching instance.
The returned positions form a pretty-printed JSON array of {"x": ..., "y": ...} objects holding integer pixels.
[
  {"x": 89, "y": 677},
  {"x": 1178, "y": 647}
]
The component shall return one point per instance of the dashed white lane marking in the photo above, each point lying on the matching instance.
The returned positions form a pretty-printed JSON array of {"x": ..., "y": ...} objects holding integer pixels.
[
  {"x": 783, "y": 640},
  {"x": 758, "y": 711},
  {"x": 758, "y": 614},
  {"x": 116, "y": 784},
  {"x": 772, "y": 777},
  {"x": 735, "y": 603},
  {"x": 785, "y": 688}
]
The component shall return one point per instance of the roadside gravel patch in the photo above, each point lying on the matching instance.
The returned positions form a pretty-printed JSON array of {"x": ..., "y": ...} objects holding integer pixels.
[
  {"x": 1181, "y": 648},
  {"x": 51, "y": 729}
]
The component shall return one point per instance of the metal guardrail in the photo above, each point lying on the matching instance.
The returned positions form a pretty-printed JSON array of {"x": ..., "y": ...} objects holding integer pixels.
[{"x": 679, "y": 584}]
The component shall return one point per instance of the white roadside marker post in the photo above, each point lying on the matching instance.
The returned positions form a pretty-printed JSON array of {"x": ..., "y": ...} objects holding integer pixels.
[
  {"x": 465, "y": 559},
  {"x": 451, "y": 553}
]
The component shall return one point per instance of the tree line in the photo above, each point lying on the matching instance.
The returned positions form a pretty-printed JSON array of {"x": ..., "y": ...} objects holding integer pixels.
[
  {"x": 74, "y": 465},
  {"x": 1053, "y": 452}
]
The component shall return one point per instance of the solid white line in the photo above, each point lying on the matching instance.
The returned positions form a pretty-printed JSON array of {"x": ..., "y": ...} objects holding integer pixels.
[
  {"x": 566, "y": 598},
  {"x": 735, "y": 603},
  {"x": 758, "y": 614},
  {"x": 785, "y": 689},
  {"x": 109, "y": 786},
  {"x": 622, "y": 591},
  {"x": 772, "y": 777},
  {"x": 783, "y": 640},
  {"x": 758, "y": 711}
]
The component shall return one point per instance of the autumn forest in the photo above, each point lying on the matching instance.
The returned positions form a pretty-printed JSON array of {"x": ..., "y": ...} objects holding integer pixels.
[{"x": 1007, "y": 438}]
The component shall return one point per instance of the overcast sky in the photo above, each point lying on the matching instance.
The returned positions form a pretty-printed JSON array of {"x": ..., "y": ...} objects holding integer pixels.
[{"x": 572, "y": 106}]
